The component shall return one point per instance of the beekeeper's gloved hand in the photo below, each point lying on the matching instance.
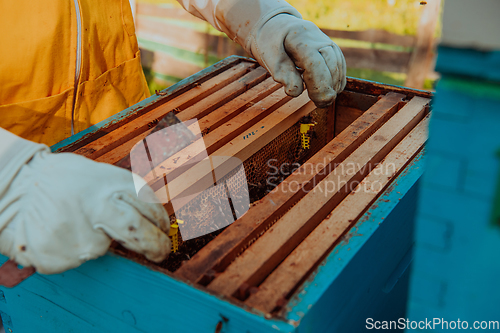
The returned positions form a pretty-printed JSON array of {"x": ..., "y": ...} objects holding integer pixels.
[
  {"x": 60, "y": 210},
  {"x": 274, "y": 33}
]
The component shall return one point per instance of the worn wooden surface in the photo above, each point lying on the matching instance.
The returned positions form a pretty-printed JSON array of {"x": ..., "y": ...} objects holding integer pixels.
[
  {"x": 366, "y": 274},
  {"x": 222, "y": 250},
  {"x": 219, "y": 137},
  {"x": 106, "y": 126},
  {"x": 330, "y": 122},
  {"x": 278, "y": 286},
  {"x": 242, "y": 148},
  {"x": 258, "y": 261},
  {"x": 132, "y": 129}
]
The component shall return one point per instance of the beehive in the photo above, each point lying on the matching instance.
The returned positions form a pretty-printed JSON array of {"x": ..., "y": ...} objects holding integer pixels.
[{"x": 261, "y": 259}]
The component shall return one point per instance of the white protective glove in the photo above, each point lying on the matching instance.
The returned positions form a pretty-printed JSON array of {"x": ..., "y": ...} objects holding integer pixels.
[
  {"x": 60, "y": 210},
  {"x": 275, "y": 34}
]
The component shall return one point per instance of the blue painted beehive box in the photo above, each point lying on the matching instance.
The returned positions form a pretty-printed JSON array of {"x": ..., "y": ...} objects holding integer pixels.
[{"x": 229, "y": 281}]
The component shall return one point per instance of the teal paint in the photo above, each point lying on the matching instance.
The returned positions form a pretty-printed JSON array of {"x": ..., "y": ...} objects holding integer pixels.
[
  {"x": 495, "y": 218},
  {"x": 472, "y": 86},
  {"x": 113, "y": 294},
  {"x": 469, "y": 63}
]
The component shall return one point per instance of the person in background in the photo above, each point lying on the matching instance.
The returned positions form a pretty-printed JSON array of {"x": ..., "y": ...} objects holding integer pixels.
[{"x": 66, "y": 65}]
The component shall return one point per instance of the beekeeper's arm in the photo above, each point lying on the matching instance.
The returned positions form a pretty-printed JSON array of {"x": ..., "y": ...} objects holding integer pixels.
[
  {"x": 275, "y": 34},
  {"x": 59, "y": 210}
]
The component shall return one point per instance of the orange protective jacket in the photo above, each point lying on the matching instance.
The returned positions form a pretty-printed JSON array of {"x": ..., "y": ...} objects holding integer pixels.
[{"x": 66, "y": 63}]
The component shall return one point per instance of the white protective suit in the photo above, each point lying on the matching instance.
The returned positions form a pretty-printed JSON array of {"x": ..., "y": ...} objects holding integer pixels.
[{"x": 59, "y": 210}]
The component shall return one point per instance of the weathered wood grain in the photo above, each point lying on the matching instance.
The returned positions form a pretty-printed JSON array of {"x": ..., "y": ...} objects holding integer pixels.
[
  {"x": 216, "y": 255},
  {"x": 208, "y": 123},
  {"x": 214, "y": 140},
  {"x": 147, "y": 121},
  {"x": 218, "y": 117},
  {"x": 259, "y": 260},
  {"x": 291, "y": 272},
  {"x": 242, "y": 148},
  {"x": 203, "y": 107},
  {"x": 107, "y": 126},
  {"x": 376, "y": 89}
]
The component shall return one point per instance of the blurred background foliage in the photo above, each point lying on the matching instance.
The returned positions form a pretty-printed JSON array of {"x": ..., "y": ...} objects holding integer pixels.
[{"x": 395, "y": 16}]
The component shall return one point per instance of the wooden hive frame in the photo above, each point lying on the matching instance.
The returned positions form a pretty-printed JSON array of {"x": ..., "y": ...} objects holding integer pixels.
[{"x": 261, "y": 259}]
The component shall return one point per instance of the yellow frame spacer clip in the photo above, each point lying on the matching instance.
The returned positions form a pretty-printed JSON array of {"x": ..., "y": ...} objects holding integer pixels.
[
  {"x": 174, "y": 234},
  {"x": 304, "y": 128}
]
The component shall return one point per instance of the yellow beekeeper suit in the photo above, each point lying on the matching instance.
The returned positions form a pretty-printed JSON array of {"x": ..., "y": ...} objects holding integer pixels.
[{"x": 57, "y": 50}]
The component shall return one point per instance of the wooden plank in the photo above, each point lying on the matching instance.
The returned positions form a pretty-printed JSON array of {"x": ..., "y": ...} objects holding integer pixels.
[
  {"x": 218, "y": 117},
  {"x": 380, "y": 60},
  {"x": 258, "y": 261},
  {"x": 225, "y": 46},
  {"x": 421, "y": 58},
  {"x": 217, "y": 254},
  {"x": 376, "y": 89},
  {"x": 372, "y": 36},
  {"x": 106, "y": 126},
  {"x": 278, "y": 286},
  {"x": 241, "y": 147},
  {"x": 216, "y": 139},
  {"x": 208, "y": 123},
  {"x": 200, "y": 42},
  {"x": 203, "y": 90},
  {"x": 71, "y": 309},
  {"x": 141, "y": 124},
  {"x": 354, "y": 275},
  {"x": 224, "y": 95}
]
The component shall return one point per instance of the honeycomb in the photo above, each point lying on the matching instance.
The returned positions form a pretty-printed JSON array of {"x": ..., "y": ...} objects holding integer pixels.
[{"x": 286, "y": 150}]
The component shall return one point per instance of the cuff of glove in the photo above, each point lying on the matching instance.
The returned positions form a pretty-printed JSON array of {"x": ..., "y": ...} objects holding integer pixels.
[
  {"x": 242, "y": 19},
  {"x": 14, "y": 153}
]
